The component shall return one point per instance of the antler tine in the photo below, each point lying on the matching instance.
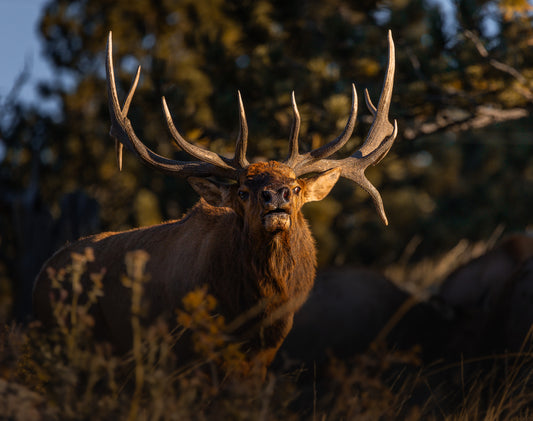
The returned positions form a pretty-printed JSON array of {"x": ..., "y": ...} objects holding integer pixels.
[
  {"x": 377, "y": 144},
  {"x": 381, "y": 126},
  {"x": 122, "y": 130},
  {"x": 295, "y": 132},
  {"x": 373, "y": 110},
  {"x": 133, "y": 87},
  {"x": 354, "y": 169},
  {"x": 118, "y": 145},
  {"x": 193, "y": 150},
  {"x": 299, "y": 161},
  {"x": 333, "y": 146},
  {"x": 242, "y": 140}
]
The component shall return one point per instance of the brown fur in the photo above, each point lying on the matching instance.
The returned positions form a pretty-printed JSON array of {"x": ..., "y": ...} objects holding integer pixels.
[{"x": 225, "y": 247}]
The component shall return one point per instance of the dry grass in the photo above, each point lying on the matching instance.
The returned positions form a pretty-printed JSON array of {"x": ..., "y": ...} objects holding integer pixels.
[
  {"x": 424, "y": 276},
  {"x": 66, "y": 375}
]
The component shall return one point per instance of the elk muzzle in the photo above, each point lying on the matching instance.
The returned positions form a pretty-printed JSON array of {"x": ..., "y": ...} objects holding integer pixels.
[{"x": 276, "y": 208}]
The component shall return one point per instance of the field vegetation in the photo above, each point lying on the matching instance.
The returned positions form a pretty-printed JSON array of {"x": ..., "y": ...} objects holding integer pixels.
[
  {"x": 458, "y": 178},
  {"x": 64, "y": 373}
]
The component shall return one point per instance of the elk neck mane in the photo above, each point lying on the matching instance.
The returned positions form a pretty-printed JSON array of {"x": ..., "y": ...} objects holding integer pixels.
[
  {"x": 278, "y": 264},
  {"x": 275, "y": 258}
]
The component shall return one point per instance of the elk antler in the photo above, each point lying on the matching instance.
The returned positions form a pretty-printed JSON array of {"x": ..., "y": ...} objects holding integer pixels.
[
  {"x": 208, "y": 164},
  {"x": 376, "y": 145}
]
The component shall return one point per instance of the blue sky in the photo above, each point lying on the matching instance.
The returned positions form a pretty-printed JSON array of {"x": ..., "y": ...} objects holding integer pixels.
[{"x": 19, "y": 41}]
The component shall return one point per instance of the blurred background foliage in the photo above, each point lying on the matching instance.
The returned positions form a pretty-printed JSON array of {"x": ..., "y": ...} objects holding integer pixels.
[{"x": 462, "y": 165}]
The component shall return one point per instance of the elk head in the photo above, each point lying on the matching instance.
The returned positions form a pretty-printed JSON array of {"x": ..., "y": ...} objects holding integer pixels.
[{"x": 269, "y": 192}]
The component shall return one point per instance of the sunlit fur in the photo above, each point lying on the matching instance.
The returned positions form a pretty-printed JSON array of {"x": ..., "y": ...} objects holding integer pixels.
[{"x": 225, "y": 247}]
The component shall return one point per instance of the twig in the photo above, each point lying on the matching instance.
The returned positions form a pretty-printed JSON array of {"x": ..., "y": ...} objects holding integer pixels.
[
  {"x": 503, "y": 67},
  {"x": 482, "y": 116}
]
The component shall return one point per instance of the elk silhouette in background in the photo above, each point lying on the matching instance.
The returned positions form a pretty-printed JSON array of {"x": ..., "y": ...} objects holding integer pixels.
[
  {"x": 481, "y": 308},
  {"x": 246, "y": 240},
  {"x": 481, "y": 312}
]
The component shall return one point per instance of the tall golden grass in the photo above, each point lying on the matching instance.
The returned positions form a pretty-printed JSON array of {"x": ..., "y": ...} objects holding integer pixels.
[{"x": 64, "y": 374}]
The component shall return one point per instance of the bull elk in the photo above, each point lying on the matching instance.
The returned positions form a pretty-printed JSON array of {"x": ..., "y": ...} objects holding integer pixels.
[{"x": 247, "y": 240}]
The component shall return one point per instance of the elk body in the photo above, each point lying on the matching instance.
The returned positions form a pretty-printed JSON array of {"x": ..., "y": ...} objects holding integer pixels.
[
  {"x": 346, "y": 310},
  {"x": 247, "y": 241},
  {"x": 482, "y": 307},
  {"x": 491, "y": 300}
]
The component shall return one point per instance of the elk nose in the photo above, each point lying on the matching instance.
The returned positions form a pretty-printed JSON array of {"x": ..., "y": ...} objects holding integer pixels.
[
  {"x": 284, "y": 195},
  {"x": 276, "y": 198}
]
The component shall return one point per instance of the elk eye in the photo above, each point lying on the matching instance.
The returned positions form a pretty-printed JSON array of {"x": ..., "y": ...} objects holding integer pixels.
[
  {"x": 296, "y": 190},
  {"x": 243, "y": 194}
]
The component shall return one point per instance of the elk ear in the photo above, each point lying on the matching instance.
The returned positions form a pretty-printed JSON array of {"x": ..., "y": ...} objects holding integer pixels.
[
  {"x": 319, "y": 186},
  {"x": 214, "y": 193}
]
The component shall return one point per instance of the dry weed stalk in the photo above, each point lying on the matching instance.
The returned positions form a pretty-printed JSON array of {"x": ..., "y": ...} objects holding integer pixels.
[{"x": 65, "y": 374}]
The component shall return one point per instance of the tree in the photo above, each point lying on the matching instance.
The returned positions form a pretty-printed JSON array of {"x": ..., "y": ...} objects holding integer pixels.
[{"x": 446, "y": 178}]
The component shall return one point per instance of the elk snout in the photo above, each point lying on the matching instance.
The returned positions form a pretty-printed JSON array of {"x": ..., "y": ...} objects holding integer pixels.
[
  {"x": 276, "y": 198},
  {"x": 276, "y": 203}
]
